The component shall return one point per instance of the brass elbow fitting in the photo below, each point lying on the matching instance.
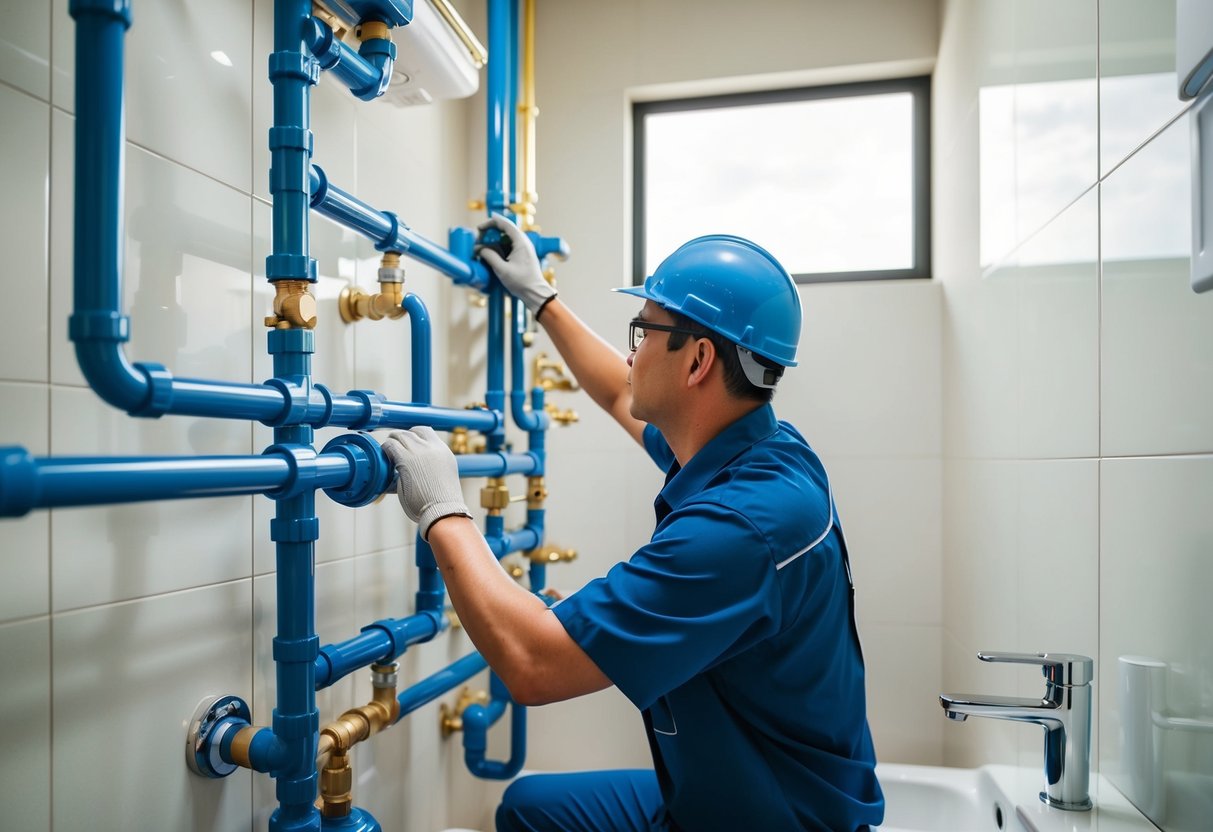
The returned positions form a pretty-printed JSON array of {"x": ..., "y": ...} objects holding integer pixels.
[
  {"x": 294, "y": 306},
  {"x": 450, "y": 717},
  {"x": 354, "y": 303}
]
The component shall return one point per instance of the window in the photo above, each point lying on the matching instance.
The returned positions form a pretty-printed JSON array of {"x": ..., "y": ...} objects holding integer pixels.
[{"x": 834, "y": 181}]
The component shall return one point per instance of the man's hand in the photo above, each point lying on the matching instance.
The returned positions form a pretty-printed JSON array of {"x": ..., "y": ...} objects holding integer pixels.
[
  {"x": 520, "y": 272},
  {"x": 427, "y": 477}
]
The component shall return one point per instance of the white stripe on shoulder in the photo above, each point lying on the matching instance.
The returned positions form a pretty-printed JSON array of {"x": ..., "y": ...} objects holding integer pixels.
[{"x": 821, "y": 537}]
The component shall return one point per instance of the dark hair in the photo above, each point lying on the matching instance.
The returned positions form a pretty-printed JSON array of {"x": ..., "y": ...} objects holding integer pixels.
[{"x": 735, "y": 380}]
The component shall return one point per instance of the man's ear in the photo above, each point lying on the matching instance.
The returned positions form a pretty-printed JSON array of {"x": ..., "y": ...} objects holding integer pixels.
[{"x": 704, "y": 357}]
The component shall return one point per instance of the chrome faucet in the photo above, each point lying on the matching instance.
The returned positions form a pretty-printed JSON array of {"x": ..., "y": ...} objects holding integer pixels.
[{"x": 1064, "y": 712}]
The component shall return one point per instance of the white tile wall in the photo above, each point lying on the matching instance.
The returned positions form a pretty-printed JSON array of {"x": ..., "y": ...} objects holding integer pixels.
[
  {"x": 24, "y": 568},
  {"x": 1083, "y": 345},
  {"x": 128, "y": 676},
  {"x": 25, "y": 719},
  {"x": 1137, "y": 81},
  {"x": 25, "y": 48},
  {"x": 25, "y": 133},
  {"x": 189, "y": 72},
  {"x": 1156, "y": 388},
  {"x": 1155, "y": 573}
]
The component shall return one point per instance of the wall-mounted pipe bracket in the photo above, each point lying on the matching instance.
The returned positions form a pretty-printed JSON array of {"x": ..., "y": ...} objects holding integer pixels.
[{"x": 213, "y": 719}]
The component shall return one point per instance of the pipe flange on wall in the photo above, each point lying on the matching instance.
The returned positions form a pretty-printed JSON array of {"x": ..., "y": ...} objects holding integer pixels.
[
  {"x": 372, "y": 473},
  {"x": 213, "y": 719}
]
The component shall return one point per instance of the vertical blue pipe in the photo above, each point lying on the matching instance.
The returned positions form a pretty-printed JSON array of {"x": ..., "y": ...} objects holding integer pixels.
[
  {"x": 494, "y": 395},
  {"x": 499, "y": 31},
  {"x": 293, "y": 71},
  {"x": 295, "y": 527},
  {"x": 422, "y": 348}
]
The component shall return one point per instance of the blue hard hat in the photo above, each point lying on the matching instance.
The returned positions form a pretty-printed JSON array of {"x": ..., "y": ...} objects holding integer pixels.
[{"x": 733, "y": 287}]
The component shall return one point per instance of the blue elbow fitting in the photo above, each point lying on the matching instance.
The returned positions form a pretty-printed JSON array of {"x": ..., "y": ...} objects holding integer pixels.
[{"x": 381, "y": 54}]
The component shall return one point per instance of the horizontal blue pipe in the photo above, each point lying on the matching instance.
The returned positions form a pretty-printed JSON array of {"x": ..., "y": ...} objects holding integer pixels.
[
  {"x": 431, "y": 687},
  {"x": 28, "y": 482},
  {"x": 266, "y": 752},
  {"x": 380, "y": 642},
  {"x": 388, "y": 233},
  {"x": 519, "y": 540},
  {"x": 498, "y": 464}
]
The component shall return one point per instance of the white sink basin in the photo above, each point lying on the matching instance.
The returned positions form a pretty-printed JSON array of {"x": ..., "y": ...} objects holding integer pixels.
[{"x": 935, "y": 799}]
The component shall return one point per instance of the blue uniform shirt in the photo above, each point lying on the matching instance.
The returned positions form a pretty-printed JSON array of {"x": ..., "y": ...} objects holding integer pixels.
[{"x": 732, "y": 631}]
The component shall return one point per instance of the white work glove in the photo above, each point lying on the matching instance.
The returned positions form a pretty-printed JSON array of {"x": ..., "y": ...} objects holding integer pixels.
[
  {"x": 519, "y": 273},
  {"x": 427, "y": 477}
]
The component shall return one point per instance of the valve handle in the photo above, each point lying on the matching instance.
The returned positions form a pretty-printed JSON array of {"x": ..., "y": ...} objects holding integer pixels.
[{"x": 1058, "y": 668}]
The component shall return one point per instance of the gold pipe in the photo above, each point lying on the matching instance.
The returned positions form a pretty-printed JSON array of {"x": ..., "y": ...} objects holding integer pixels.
[
  {"x": 467, "y": 37},
  {"x": 529, "y": 112}
]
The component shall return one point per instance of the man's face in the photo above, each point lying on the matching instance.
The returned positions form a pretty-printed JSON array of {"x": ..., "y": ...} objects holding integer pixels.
[{"x": 655, "y": 369}]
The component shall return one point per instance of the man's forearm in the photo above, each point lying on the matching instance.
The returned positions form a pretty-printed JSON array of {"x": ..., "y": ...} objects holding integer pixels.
[
  {"x": 600, "y": 369},
  {"x": 518, "y": 636}
]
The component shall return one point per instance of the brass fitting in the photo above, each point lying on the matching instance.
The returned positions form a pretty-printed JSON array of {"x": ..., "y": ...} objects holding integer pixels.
[
  {"x": 463, "y": 442},
  {"x": 241, "y": 743},
  {"x": 349, "y": 729},
  {"x": 373, "y": 30},
  {"x": 562, "y": 417},
  {"x": 476, "y": 204},
  {"x": 552, "y": 554},
  {"x": 450, "y": 717},
  {"x": 551, "y": 374},
  {"x": 294, "y": 306},
  {"x": 354, "y": 303},
  {"x": 536, "y": 492},
  {"x": 495, "y": 496}
]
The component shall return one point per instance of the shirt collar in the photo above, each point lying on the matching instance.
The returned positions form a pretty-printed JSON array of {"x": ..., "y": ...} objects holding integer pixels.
[{"x": 683, "y": 483}]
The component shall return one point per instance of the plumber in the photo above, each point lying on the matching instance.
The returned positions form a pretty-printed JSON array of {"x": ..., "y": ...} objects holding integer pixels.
[{"x": 733, "y": 629}]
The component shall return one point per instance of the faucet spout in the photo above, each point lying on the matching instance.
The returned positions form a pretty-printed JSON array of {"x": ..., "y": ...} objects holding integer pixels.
[{"x": 1064, "y": 712}]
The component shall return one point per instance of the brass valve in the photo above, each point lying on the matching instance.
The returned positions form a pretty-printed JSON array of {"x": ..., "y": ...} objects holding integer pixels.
[
  {"x": 536, "y": 492},
  {"x": 561, "y": 417},
  {"x": 551, "y": 374},
  {"x": 464, "y": 443},
  {"x": 495, "y": 496},
  {"x": 513, "y": 567},
  {"x": 294, "y": 306},
  {"x": 450, "y": 717},
  {"x": 552, "y": 554}
]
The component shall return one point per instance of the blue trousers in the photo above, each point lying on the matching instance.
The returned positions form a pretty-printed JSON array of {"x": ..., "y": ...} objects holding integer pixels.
[{"x": 593, "y": 801}]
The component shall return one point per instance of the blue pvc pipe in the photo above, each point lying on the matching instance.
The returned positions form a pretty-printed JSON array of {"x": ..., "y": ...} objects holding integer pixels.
[
  {"x": 495, "y": 394},
  {"x": 388, "y": 233},
  {"x": 380, "y": 642},
  {"x": 421, "y": 348},
  {"x": 96, "y": 326},
  {"x": 28, "y": 482},
  {"x": 534, "y": 420},
  {"x": 431, "y": 687},
  {"x": 496, "y": 117},
  {"x": 295, "y": 527},
  {"x": 497, "y": 464},
  {"x": 477, "y": 719},
  {"x": 431, "y": 594},
  {"x": 366, "y": 72}
]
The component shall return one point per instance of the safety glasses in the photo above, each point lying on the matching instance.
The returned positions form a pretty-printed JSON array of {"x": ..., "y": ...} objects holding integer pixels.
[{"x": 637, "y": 327}]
